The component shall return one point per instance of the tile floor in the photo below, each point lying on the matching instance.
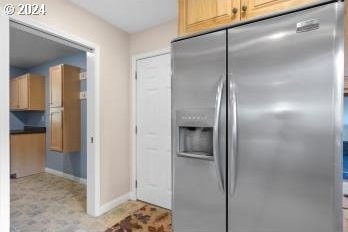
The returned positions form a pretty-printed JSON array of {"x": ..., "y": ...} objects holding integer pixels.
[{"x": 47, "y": 203}]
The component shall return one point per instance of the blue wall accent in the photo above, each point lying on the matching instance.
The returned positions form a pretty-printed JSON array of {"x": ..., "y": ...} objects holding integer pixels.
[
  {"x": 345, "y": 138},
  {"x": 73, "y": 163},
  {"x": 345, "y": 119}
]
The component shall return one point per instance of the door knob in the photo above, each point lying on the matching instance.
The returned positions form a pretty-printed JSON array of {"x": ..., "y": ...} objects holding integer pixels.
[
  {"x": 234, "y": 10},
  {"x": 244, "y": 8}
]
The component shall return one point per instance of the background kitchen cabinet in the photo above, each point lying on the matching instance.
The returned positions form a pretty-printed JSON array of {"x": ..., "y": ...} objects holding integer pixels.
[
  {"x": 14, "y": 94},
  {"x": 27, "y": 92},
  {"x": 27, "y": 154},
  {"x": 65, "y": 110},
  {"x": 199, "y": 15},
  {"x": 56, "y": 126},
  {"x": 196, "y": 15},
  {"x": 56, "y": 85}
]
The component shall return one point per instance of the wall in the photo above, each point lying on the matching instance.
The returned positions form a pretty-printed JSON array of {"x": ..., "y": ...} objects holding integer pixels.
[
  {"x": 114, "y": 88},
  {"x": 155, "y": 38},
  {"x": 71, "y": 163}
]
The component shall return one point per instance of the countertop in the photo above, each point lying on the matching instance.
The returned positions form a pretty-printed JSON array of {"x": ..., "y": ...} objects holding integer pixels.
[{"x": 29, "y": 130}]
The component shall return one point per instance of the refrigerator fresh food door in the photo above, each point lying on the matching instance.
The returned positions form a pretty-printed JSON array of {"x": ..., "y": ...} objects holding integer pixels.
[
  {"x": 285, "y": 79},
  {"x": 199, "y": 133}
]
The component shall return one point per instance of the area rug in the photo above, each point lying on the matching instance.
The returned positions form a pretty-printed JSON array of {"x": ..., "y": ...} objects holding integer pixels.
[{"x": 147, "y": 219}]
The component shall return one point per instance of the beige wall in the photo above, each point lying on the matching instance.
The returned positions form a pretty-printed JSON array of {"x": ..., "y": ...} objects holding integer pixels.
[
  {"x": 155, "y": 38},
  {"x": 114, "y": 88}
]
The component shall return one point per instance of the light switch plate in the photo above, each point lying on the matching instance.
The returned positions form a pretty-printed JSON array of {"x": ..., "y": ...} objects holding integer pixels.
[
  {"x": 83, "y": 76},
  {"x": 83, "y": 95}
]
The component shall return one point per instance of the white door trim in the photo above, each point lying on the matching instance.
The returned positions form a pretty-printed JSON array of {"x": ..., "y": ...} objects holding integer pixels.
[
  {"x": 133, "y": 96},
  {"x": 93, "y": 112},
  {"x": 4, "y": 125}
]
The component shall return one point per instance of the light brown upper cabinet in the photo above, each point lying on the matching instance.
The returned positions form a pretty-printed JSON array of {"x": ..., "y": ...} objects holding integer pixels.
[
  {"x": 199, "y": 15},
  {"x": 65, "y": 109},
  {"x": 56, "y": 86},
  {"x": 254, "y": 8},
  {"x": 27, "y": 92}
]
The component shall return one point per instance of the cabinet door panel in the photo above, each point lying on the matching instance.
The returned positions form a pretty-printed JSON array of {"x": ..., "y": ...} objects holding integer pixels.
[
  {"x": 206, "y": 10},
  {"x": 262, "y": 7},
  {"x": 204, "y": 14},
  {"x": 56, "y": 120},
  {"x": 56, "y": 87},
  {"x": 27, "y": 154},
  {"x": 14, "y": 97},
  {"x": 23, "y": 92}
]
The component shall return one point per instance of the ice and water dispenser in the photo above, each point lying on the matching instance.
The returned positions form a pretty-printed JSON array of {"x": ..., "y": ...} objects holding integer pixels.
[{"x": 195, "y": 134}]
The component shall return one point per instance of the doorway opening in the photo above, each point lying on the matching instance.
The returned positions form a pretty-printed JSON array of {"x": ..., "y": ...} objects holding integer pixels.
[{"x": 30, "y": 113}]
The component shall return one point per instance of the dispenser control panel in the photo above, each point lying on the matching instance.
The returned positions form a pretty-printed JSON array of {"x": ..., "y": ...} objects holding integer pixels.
[{"x": 195, "y": 117}]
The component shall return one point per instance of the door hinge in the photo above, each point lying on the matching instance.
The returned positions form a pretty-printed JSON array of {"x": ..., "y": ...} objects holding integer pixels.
[
  {"x": 136, "y": 184},
  {"x": 92, "y": 139},
  {"x": 136, "y": 129},
  {"x": 136, "y": 75}
]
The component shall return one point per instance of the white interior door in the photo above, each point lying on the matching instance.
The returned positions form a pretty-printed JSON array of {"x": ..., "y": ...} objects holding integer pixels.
[
  {"x": 4, "y": 124},
  {"x": 154, "y": 130}
]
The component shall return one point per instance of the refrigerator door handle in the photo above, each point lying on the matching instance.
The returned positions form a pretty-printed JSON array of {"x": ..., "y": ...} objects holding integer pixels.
[
  {"x": 233, "y": 135},
  {"x": 216, "y": 149}
]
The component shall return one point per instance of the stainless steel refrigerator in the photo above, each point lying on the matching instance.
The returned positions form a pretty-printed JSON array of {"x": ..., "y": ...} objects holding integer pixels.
[{"x": 256, "y": 125}]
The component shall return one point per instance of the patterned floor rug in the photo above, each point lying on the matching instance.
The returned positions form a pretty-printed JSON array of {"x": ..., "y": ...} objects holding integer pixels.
[{"x": 147, "y": 219}]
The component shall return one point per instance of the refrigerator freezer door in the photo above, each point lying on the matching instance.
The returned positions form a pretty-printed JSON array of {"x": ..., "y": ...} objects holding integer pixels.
[
  {"x": 199, "y": 147},
  {"x": 285, "y": 77}
]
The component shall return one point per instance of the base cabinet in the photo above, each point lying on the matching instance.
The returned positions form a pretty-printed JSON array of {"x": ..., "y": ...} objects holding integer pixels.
[{"x": 27, "y": 154}]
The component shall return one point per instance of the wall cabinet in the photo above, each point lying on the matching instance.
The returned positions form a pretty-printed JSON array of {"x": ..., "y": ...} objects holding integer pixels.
[
  {"x": 27, "y": 92},
  {"x": 198, "y": 15},
  {"x": 27, "y": 154},
  {"x": 65, "y": 109},
  {"x": 56, "y": 126},
  {"x": 203, "y": 14},
  {"x": 254, "y": 8}
]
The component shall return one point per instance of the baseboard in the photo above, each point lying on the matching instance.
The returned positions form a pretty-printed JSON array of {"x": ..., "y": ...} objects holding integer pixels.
[
  {"x": 114, "y": 203},
  {"x": 67, "y": 176},
  {"x": 133, "y": 196}
]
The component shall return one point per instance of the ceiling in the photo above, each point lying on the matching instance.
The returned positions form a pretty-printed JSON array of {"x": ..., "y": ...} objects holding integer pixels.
[
  {"x": 28, "y": 50},
  {"x": 131, "y": 15}
]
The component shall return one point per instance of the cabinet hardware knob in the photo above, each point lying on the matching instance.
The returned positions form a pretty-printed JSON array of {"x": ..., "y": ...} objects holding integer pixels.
[
  {"x": 244, "y": 8},
  {"x": 234, "y": 10}
]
